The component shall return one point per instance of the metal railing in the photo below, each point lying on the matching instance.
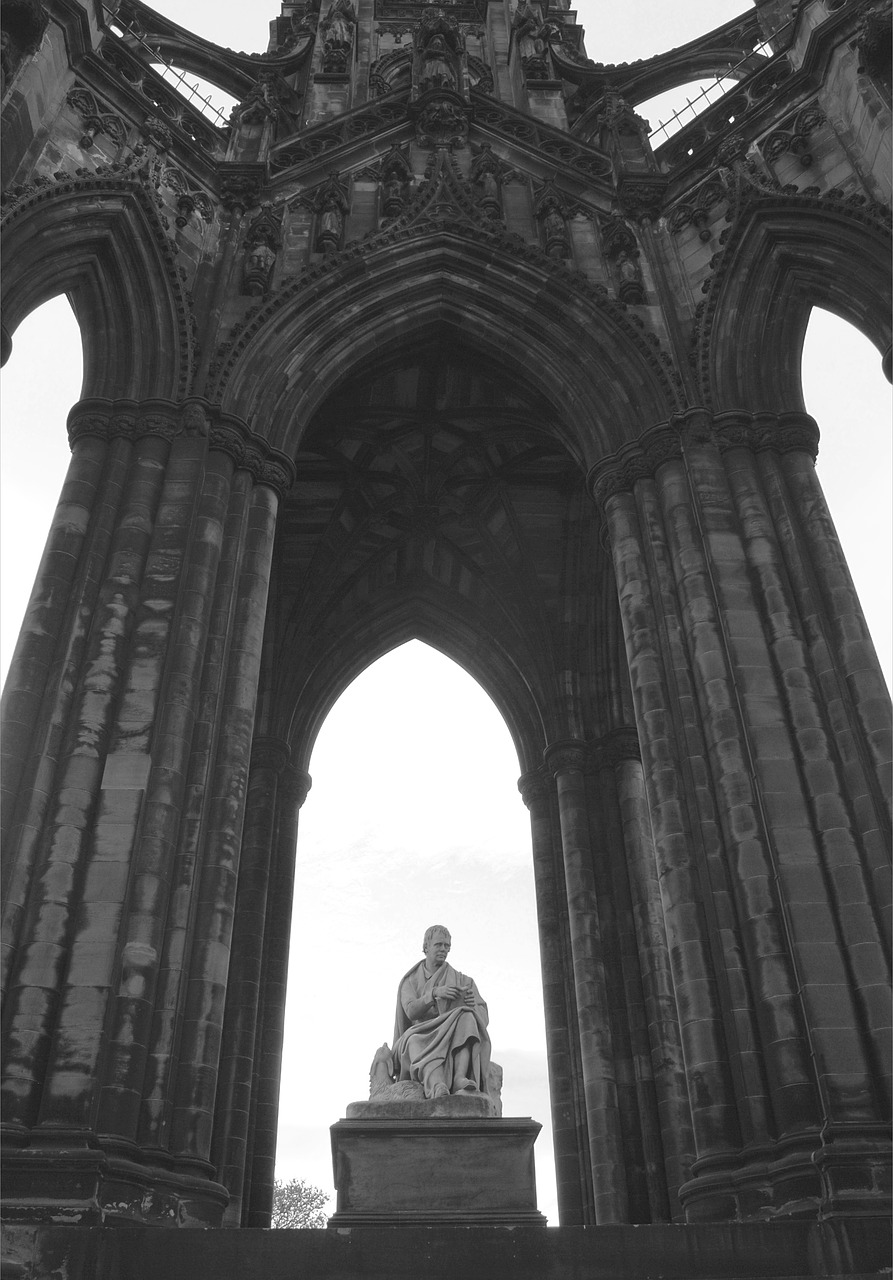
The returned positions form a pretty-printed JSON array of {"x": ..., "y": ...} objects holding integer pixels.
[
  {"x": 718, "y": 84},
  {"x": 168, "y": 71}
]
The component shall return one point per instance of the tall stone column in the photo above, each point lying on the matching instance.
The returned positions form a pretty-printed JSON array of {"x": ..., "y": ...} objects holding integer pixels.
[
  {"x": 673, "y": 1144},
  {"x": 723, "y": 676},
  {"x": 129, "y": 813},
  {"x": 569, "y": 1130},
  {"x": 293, "y": 786},
  {"x": 567, "y": 762}
]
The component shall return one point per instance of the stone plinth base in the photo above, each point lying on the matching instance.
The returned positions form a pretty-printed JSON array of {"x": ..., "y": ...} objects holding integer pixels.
[
  {"x": 438, "y": 1169},
  {"x": 733, "y": 1251}
]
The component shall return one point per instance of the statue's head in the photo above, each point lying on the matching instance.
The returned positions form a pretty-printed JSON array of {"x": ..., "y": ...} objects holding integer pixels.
[{"x": 437, "y": 943}]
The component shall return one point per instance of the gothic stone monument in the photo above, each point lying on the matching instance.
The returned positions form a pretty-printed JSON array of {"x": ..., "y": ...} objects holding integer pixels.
[
  {"x": 431, "y": 1147},
  {"x": 432, "y": 339}
]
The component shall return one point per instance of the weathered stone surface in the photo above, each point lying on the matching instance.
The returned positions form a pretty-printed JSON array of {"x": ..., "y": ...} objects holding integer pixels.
[
  {"x": 455, "y": 1172},
  {"x": 433, "y": 414},
  {"x": 733, "y": 1251},
  {"x": 453, "y": 1106}
]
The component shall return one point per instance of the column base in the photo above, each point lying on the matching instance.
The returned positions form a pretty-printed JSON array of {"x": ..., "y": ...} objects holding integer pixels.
[
  {"x": 841, "y": 1173},
  {"x": 435, "y": 1172},
  {"x": 72, "y": 1179}
]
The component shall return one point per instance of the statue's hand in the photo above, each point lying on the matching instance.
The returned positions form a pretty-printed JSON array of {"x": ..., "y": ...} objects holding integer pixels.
[{"x": 446, "y": 992}]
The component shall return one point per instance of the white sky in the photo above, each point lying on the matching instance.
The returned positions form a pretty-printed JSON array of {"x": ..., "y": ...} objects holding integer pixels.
[{"x": 414, "y": 817}]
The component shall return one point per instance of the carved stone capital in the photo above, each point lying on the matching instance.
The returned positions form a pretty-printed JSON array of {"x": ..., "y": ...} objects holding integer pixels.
[
  {"x": 270, "y": 753},
  {"x": 783, "y": 433},
  {"x": 123, "y": 420},
  {"x": 132, "y": 420},
  {"x": 619, "y": 472},
  {"x": 563, "y": 757},
  {"x": 534, "y": 786},
  {"x": 252, "y": 453},
  {"x": 295, "y": 785}
]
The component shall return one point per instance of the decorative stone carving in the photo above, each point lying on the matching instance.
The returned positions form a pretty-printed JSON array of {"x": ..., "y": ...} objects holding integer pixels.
[
  {"x": 331, "y": 205},
  {"x": 240, "y": 186},
  {"x": 157, "y": 133},
  {"x": 551, "y": 213},
  {"x": 438, "y": 61},
  {"x": 337, "y": 30},
  {"x": 189, "y": 199},
  {"x": 874, "y": 46},
  {"x": 441, "y": 123},
  {"x": 262, "y": 242},
  {"x": 535, "y": 786},
  {"x": 622, "y": 251},
  {"x": 96, "y": 118},
  {"x": 395, "y": 179},
  {"x": 486, "y": 173}
]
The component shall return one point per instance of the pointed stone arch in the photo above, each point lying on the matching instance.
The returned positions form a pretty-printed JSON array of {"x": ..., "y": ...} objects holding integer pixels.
[
  {"x": 605, "y": 378},
  {"x": 101, "y": 241},
  {"x": 784, "y": 255}
]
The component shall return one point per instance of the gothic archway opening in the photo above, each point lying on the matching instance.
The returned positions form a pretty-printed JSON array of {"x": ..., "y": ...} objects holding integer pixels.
[
  {"x": 414, "y": 813},
  {"x": 855, "y": 460},
  {"x": 34, "y": 452},
  {"x": 435, "y": 500}
]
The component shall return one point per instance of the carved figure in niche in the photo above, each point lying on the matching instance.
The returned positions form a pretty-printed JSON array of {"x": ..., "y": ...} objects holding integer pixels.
[
  {"x": 631, "y": 290},
  {"x": 439, "y": 61},
  {"x": 331, "y": 224},
  {"x": 440, "y": 1029},
  {"x": 393, "y": 198},
  {"x": 258, "y": 268},
  {"x": 338, "y": 29},
  {"x": 485, "y": 174},
  {"x": 436, "y": 70},
  {"x": 261, "y": 243},
  {"x": 554, "y": 228},
  {"x": 531, "y": 38}
]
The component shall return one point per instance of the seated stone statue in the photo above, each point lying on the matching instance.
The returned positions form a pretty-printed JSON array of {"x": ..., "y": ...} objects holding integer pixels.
[
  {"x": 440, "y": 1031},
  {"x": 441, "y": 1046}
]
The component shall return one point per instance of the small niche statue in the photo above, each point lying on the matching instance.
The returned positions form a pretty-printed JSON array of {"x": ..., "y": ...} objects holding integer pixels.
[{"x": 441, "y": 1045}]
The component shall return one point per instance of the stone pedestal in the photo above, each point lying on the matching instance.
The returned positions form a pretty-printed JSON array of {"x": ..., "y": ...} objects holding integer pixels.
[{"x": 441, "y": 1165}]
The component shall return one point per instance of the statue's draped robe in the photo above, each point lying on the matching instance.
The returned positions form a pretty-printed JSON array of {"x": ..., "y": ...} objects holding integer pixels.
[{"x": 421, "y": 1047}]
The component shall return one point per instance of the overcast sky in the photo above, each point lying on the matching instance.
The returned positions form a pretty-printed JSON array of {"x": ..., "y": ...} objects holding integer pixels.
[{"x": 414, "y": 817}]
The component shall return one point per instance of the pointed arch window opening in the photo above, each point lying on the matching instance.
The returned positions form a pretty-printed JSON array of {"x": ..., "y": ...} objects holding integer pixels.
[
  {"x": 855, "y": 460},
  {"x": 34, "y": 451},
  {"x": 413, "y": 819}
]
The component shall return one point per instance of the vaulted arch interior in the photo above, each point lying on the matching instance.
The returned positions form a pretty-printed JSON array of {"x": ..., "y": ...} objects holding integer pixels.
[{"x": 433, "y": 497}]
